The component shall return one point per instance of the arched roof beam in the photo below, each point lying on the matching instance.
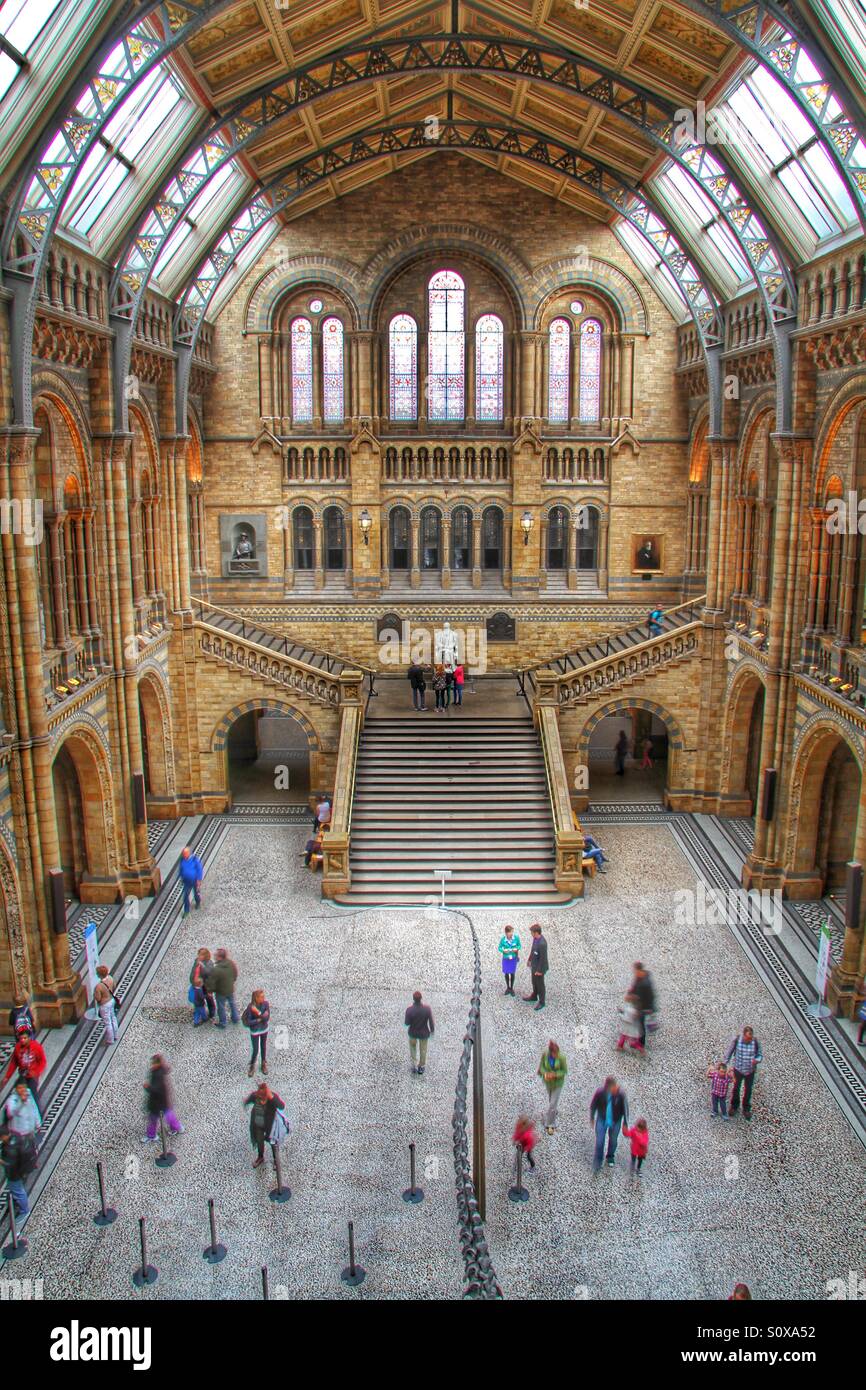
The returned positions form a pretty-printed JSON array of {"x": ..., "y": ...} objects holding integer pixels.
[{"x": 653, "y": 117}]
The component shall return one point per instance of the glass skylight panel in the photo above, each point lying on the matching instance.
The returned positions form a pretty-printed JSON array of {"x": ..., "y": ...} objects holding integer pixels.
[
  {"x": 22, "y": 21},
  {"x": 251, "y": 252},
  {"x": 204, "y": 212},
  {"x": 696, "y": 210},
  {"x": 646, "y": 258}
]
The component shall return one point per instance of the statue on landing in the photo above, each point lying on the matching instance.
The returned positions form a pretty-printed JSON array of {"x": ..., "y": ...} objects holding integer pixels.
[{"x": 446, "y": 646}]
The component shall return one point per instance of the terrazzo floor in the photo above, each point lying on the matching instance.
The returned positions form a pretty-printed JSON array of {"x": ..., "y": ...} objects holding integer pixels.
[{"x": 777, "y": 1202}]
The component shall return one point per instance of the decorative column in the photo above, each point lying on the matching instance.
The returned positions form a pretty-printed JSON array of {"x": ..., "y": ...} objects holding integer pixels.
[
  {"x": 58, "y": 580},
  {"x": 423, "y": 411},
  {"x": 318, "y": 384},
  {"x": 571, "y": 558},
  {"x": 288, "y": 557},
  {"x": 528, "y": 348},
  {"x": 603, "y": 540},
  {"x": 506, "y": 552},
  {"x": 445, "y": 542},
  {"x": 318, "y": 563},
  {"x": 414, "y": 557},
  {"x": 476, "y": 552}
]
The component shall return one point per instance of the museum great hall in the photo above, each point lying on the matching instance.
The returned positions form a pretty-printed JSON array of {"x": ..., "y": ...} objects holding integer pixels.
[{"x": 323, "y": 326}]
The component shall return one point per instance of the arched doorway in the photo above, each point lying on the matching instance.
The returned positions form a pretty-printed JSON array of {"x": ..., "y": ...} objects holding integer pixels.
[
  {"x": 431, "y": 530},
  {"x": 745, "y": 726},
  {"x": 461, "y": 539},
  {"x": 491, "y": 539},
  {"x": 268, "y": 759},
  {"x": 642, "y": 725},
  {"x": 557, "y": 539},
  {"x": 587, "y": 539},
  {"x": 302, "y": 538},
  {"x": 398, "y": 539},
  {"x": 81, "y": 811},
  {"x": 334, "y": 529},
  {"x": 825, "y": 801},
  {"x": 155, "y": 745}
]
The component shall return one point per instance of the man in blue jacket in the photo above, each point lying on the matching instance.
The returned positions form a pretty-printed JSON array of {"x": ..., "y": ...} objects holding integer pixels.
[
  {"x": 608, "y": 1112},
  {"x": 191, "y": 872}
]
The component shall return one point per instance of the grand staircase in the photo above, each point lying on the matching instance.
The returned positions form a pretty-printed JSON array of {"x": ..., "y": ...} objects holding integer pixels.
[{"x": 456, "y": 792}]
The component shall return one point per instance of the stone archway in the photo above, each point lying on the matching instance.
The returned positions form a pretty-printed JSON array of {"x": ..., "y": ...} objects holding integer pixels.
[
  {"x": 272, "y": 754},
  {"x": 822, "y": 813},
  {"x": 83, "y": 810},
  {"x": 742, "y": 746},
  {"x": 641, "y": 719},
  {"x": 157, "y": 750}
]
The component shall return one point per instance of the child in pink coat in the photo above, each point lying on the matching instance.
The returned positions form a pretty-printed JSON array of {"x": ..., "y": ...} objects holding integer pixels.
[{"x": 639, "y": 1136}]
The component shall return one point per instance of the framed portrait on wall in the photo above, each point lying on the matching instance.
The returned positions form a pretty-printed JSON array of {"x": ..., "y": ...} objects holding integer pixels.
[{"x": 647, "y": 553}]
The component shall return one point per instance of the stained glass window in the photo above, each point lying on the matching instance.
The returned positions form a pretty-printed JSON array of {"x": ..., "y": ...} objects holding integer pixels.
[
  {"x": 332, "y": 369},
  {"x": 445, "y": 346},
  {"x": 590, "y": 370},
  {"x": 559, "y": 359},
  {"x": 488, "y": 368},
  {"x": 302, "y": 371},
  {"x": 403, "y": 346}
]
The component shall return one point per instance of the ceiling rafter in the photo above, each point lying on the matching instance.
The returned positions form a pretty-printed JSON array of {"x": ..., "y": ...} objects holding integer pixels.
[
  {"x": 653, "y": 117},
  {"x": 604, "y": 183}
]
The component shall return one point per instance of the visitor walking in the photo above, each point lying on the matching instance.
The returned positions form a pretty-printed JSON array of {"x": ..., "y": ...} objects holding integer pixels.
[
  {"x": 620, "y": 753},
  {"x": 646, "y": 761},
  {"x": 314, "y": 851},
  {"x": 418, "y": 684},
  {"x": 509, "y": 950},
  {"x": 643, "y": 987},
  {"x": 419, "y": 1021},
  {"x": 537, "y": 968},
  {"x": 257, "y": 1017},
  {"x": 19, "y": 1158},
  {"x": 630, "y": 1023},
  {"x": 608, "y": 1111},
  {"x": 721, "y": 1082},
  {"x": 450, "y": 698},
  {"x": 524, "y": 1140},
  {"x": 222, "y": 981},
  {"x": 21, "y": 1014},
  {"x": 200, "y": 988},
  {"x": 553, "y": 1070},
  {"x": 459, "y": 682},
  {"x": 265, "y": 1105},
  {"x": 639, "y": 1136},
  {"x": 191, "y": 874},
  {"x": 746, "y": 1052},
  {"x": 159, "y": 1099},
  {"x": 742, "y": 1294},
  {"x": 440, "y": 686},
  {"x": 28, "y": 1059},
  {"x": 654, "y": 623},
  {"x": 106, "y": 1002},
  {"x": 21, "y": 1113}
]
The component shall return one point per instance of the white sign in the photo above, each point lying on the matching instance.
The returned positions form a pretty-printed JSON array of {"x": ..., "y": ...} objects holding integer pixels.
[
  {"x": 823, "y": 966},
  {"x": 91, "y": 952},
  {"x": 441, "y": 873}
]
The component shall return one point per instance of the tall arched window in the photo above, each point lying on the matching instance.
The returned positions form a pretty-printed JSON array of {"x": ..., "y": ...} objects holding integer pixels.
[
  {"x": 302, "y": 371},
  {"x": 302, "y": 527},
  {"x": 559, "y": 359},
  {"x": 403, "y": 347},
  {"x": 488, "y": 368},
  {"x": 445, "y": 346},
  {"x": 332, "y": 370},
  {"x": 590, "y": 370}
]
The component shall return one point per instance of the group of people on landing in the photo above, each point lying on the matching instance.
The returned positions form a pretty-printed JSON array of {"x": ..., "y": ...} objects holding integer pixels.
[{"x": 447, "y": 680}]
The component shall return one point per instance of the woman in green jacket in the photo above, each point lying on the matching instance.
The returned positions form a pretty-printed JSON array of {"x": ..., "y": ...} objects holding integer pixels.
[
  {"x": 553, "y": 1070},
  {"x": 509, "y": 949}
]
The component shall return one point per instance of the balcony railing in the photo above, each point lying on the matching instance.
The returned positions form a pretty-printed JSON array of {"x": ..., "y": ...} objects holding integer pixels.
[
  {"x": 307, "y": 463},
  {"x": 468, "y": 463},
  {"x": 568, "y": 465}
]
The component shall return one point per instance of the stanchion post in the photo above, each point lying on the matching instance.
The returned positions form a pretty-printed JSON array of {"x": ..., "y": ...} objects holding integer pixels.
[
  {"x": 145, "y": 1274},
  {"x": 354, "y": 1274},
  {"x": 17, "y": 1247},
  {"x": 214, "y": 1252},
  {"x": 518, "y": 1192},
  {"x": 265, "y": 1291},
  {"x": 166, "y": 1158},
  {"x": 105, "y": 1215},
  {"x": 412, "y": 1194},
  {"x": 279, "y": 1193}
]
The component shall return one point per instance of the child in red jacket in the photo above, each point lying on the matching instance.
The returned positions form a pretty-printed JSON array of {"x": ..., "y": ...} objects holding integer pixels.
[
  {"x": 639, "y": 1136},
  {"x": 525, "y": 1138}
]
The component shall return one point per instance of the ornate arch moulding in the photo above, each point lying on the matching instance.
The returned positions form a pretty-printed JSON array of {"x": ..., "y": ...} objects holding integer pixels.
[
  {"x": 609, "y": 280},
  {"x": 290, "y": 273},
  {"x": 446, "y": 240}
]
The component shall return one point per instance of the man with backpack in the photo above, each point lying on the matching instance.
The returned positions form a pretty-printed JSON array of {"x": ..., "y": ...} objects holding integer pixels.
[
  {"x": 222, "y": 981},
  {"x": 415, "y": 676},
  {"x": 746, "y": 1052}
]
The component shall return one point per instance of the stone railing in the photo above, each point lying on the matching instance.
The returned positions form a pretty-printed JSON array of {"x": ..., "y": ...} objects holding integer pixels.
[
  {"x": 336, "y": 873},
  {"x": 250, "y": 659},
  {"x": 446, "y": 463},
  {"x": 316, "y": 463},
  {"x": 568, "y": 874},
  {"x": 565, "y": 464},
  {"x": 599, "y": 677}
]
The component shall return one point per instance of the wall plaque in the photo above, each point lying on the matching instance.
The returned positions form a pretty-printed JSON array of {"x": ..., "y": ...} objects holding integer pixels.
[{"x": 501, "y": 628}]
